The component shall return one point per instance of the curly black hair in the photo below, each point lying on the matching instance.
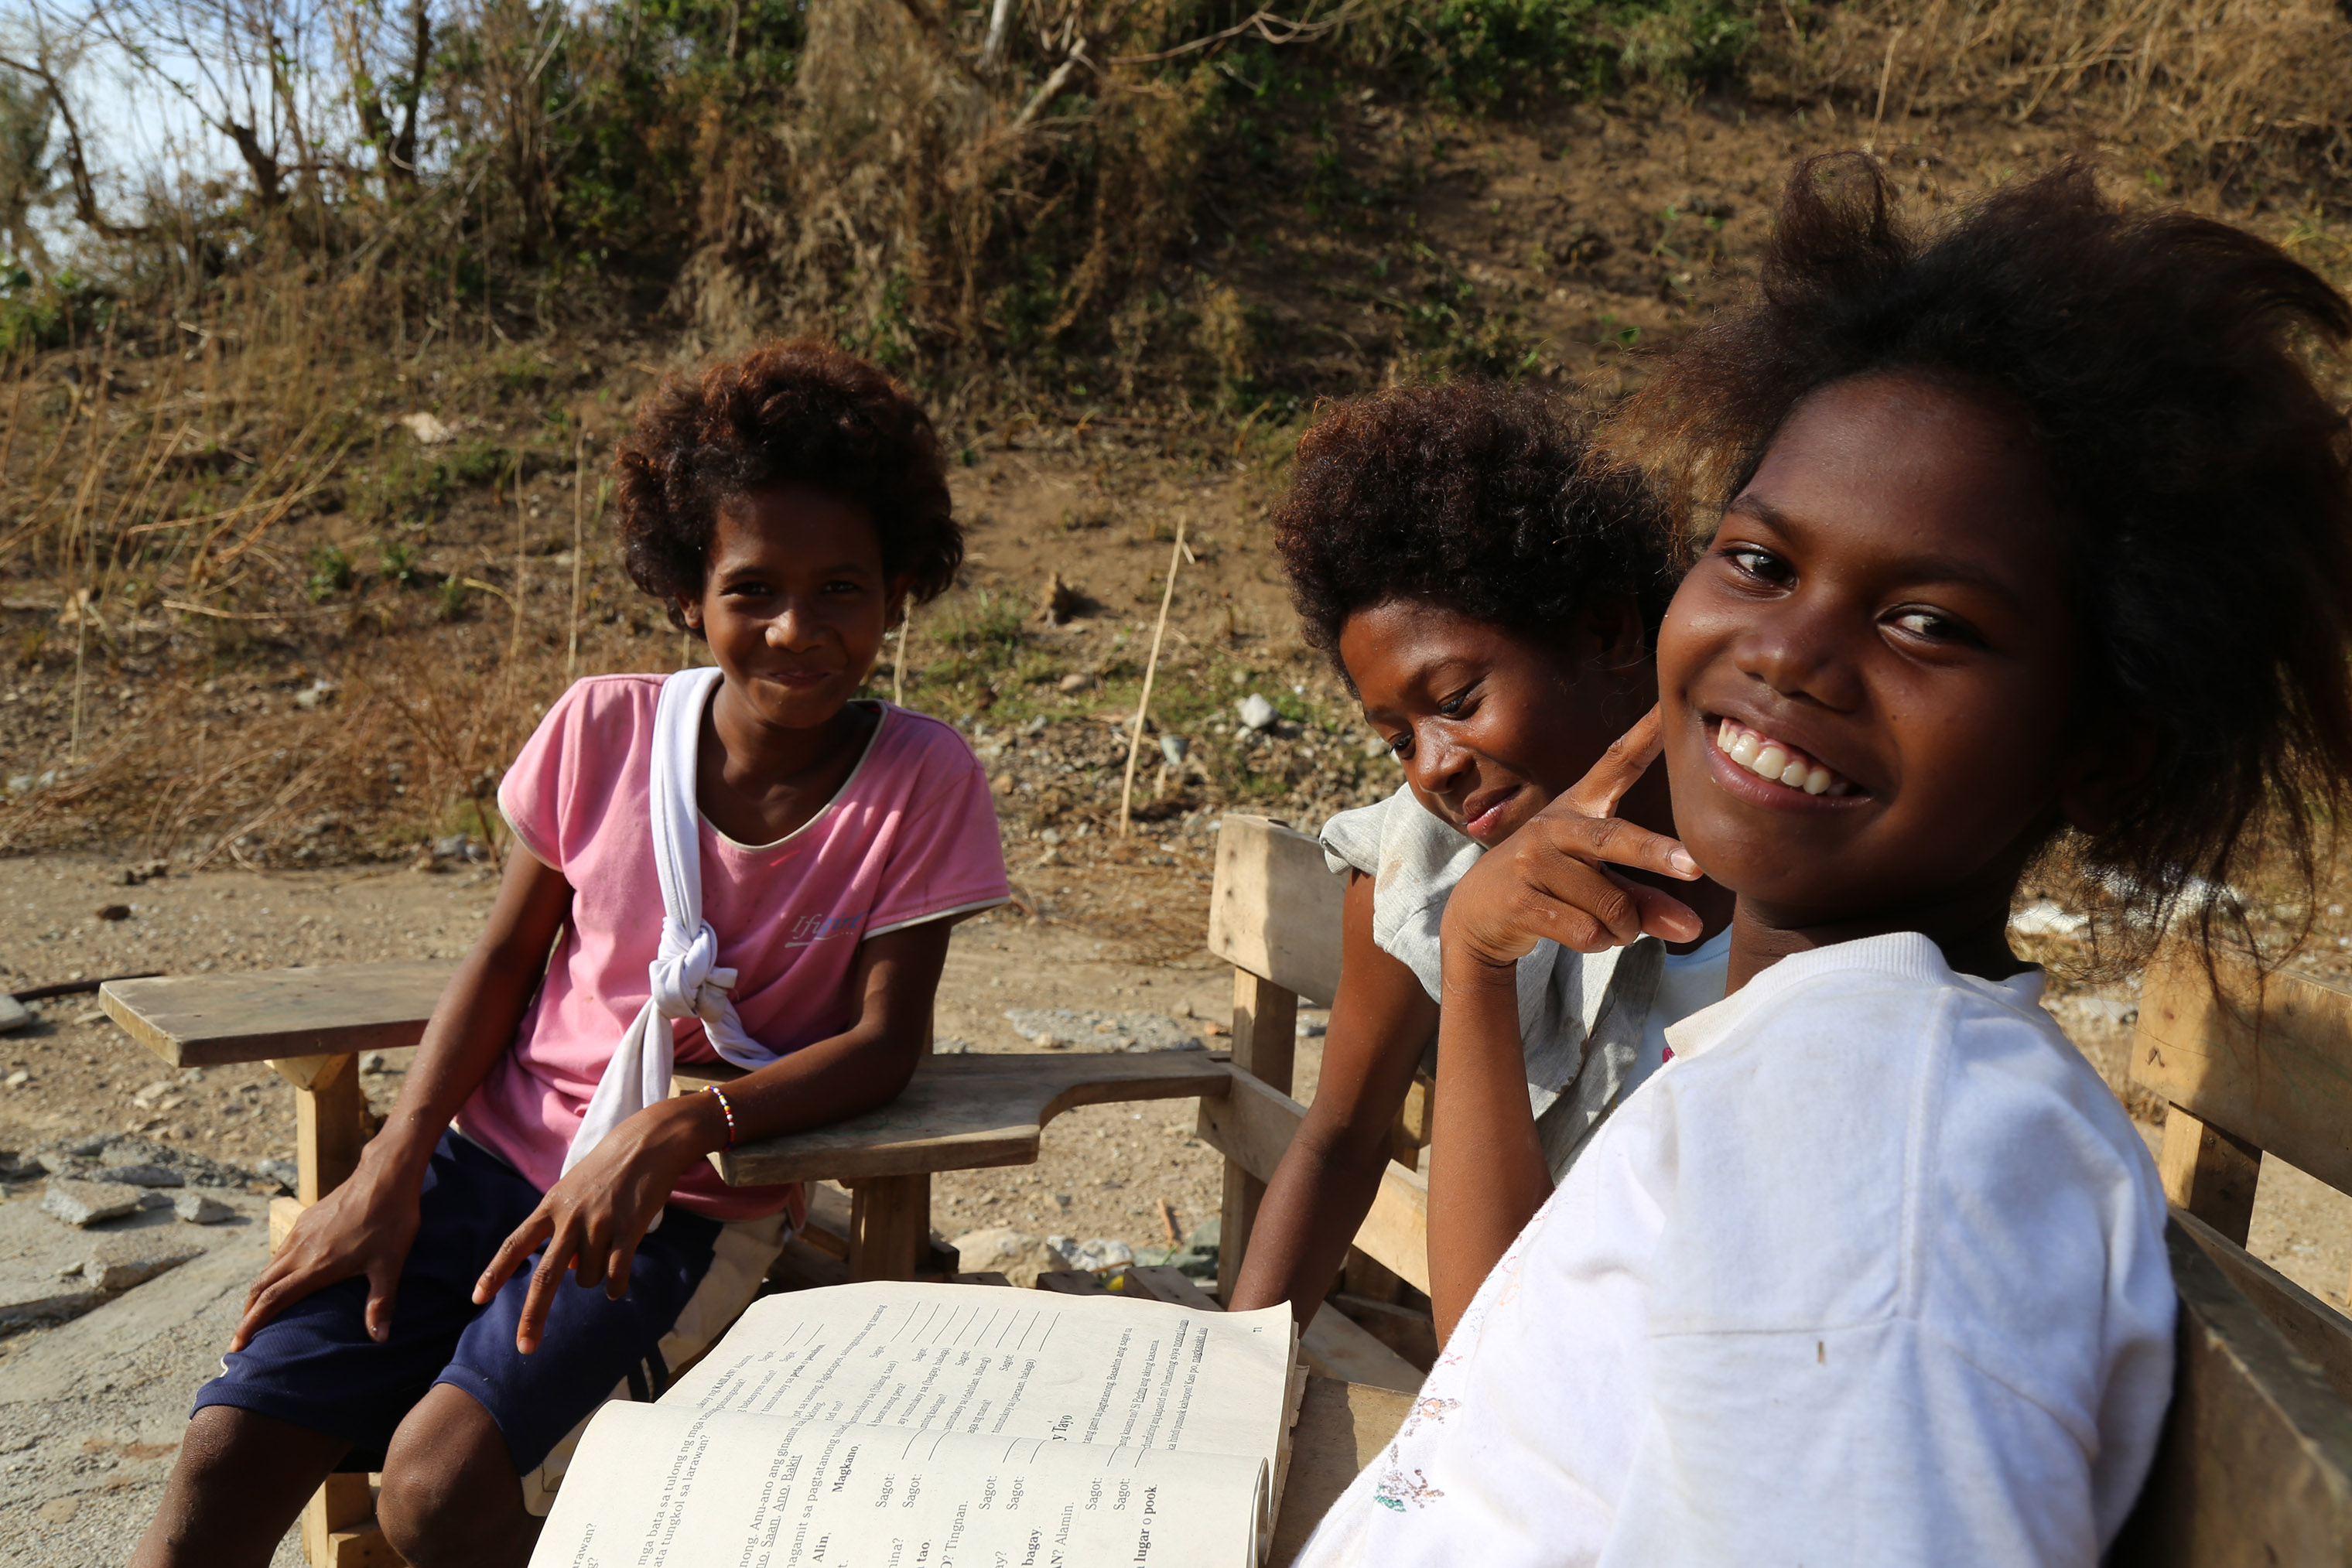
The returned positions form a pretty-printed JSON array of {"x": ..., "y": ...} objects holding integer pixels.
[
  {"x": 794, "y": 413},
  {"x": 2204, "y": 477},
  {"x": 1476, "y": 494}
]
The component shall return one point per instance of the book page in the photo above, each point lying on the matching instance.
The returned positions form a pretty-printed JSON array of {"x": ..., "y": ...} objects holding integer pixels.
[
  {"x": 688, "y": 1486},
  {"x": 988, "y": 1361}
]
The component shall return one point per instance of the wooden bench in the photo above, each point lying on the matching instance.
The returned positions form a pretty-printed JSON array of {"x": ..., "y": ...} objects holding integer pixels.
[
  {"x": 960, "y": 1113},
  {"x": 2256, "y": 1461}
]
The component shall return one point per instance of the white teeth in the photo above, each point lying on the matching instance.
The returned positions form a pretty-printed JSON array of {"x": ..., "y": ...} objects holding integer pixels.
[{"x": 1770, "y": 759}]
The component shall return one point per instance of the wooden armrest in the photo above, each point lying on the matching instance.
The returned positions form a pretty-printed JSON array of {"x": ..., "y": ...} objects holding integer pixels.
[
  {"x": 1252, "y": 1126},
  {"x": 262, "y": 1015},
  {"x": 967, "y": 1113}
]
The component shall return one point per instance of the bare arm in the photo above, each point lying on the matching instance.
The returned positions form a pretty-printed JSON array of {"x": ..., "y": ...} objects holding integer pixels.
[
  {"x": 1380, "y": 1021},
  {"x": 592, "y": 1220},
  {"x": 367, "y": 1225},
  {"x": 1486, "y": 1170}
]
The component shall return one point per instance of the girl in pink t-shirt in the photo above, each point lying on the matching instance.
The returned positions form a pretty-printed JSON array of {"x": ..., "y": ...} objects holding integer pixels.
[{"x": 742, "y": 862}]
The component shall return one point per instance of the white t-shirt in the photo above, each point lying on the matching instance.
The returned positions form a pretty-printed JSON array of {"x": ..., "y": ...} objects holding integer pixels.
[
  {"x": 1872, "y": 1271},
  {"x": 1689, "y": 983}
]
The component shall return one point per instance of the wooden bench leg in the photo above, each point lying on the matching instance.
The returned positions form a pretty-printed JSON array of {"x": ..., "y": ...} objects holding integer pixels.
[
  {"x": 330, "y": 1125},
  {"x": 889, "y": 1227},
  {"x": 2210, "y": 1173},
  {"x": 1266, "y": 1046}
]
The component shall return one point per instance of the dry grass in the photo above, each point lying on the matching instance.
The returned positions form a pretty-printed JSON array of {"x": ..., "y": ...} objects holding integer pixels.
[{"x": 2247, "y": 94}]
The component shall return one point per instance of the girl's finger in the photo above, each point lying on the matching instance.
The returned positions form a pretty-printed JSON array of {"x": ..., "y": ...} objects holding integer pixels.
[
  {"x": 511, "y": 1255},
  {"x": 1619, "y": 767},
  {"x": 541, "y": 1298},
  {"x": 1664, "y": 916},
  {"x": 1619, "y": 842},
  {"x": 616, "y": 1271}
]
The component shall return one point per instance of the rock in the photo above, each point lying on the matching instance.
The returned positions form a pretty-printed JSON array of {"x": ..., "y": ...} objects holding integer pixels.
[
  {"x": 144, "y": 1176},
  {"x": 283, "y": 1172},
  {"x": 198, "y": 1209},
  {"x": 1173, "y": 748},
  {"x": 372, "y": 1062},
  {"x": 114, "y": 911},
  {"x": 1093, "y": 1256},
  {"x": 1000, "y": 1249},
  {"x": 1073, "y": 682},
  {"x": 119, "y": 1263},
  {"x": 428, "y": 431},
  {"x": 1255, "y": 712},
  {"x": 13, "y": 1014},
  {"x": 87, "y": 1203},
  {"x": 18, "y": 1079}
]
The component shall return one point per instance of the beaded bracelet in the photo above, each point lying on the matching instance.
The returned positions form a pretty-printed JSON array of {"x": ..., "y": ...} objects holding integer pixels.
[{"x": 725, "y": 1110}]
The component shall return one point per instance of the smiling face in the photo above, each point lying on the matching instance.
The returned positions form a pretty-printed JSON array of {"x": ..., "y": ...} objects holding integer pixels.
[
  {"x": 794, "y": 603},
  {"x": 1868, "y": 679},
  {"x": 1489, "y": 725}
]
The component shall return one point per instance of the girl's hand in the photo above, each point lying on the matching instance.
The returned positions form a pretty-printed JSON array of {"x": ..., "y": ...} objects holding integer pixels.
[
  {"x": 592, "y": 1220},
  {"x": 1550, "y": 879},
  {"x": 364, "y": 1227}
]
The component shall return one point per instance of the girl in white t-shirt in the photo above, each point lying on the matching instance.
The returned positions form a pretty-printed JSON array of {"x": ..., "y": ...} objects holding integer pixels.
[{"x": 2035, "y": 534}]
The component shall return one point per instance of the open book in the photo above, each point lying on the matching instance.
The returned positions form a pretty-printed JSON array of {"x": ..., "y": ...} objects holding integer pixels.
[{"x": 909, "y": 1426}]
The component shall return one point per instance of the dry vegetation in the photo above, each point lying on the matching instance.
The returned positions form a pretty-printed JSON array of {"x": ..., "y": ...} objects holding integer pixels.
[{"x": 301, "y": 480}]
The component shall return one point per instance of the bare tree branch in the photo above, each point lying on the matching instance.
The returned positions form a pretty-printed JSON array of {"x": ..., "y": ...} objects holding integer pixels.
[{"x": 85, "y": 190}]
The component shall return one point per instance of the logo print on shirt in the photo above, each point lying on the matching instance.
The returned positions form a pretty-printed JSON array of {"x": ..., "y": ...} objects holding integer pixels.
[{"x": 810, "y": 928}]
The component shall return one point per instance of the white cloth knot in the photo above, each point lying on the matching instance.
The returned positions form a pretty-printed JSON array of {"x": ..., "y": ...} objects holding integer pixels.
[{"x": 686, "y": 978}]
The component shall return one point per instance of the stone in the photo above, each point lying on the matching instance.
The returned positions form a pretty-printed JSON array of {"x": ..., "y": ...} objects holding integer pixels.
[
  {"x": 196, "y": 1208},
  {"x": 13, "y": 1015},
  {"x": 88, "y": 1202},
  {"x": 1255, "y": 712},
  {"x": 132, "y": 1258},
  {"x": 1000, "y": 1249},
  {"x": 18, "y": 1079},
  {"x": 1093, "y": 1256},
  {"x": 285, "y": 1173},
  {"x": 114, "y": 911},
  {"x": 1072, "y": 682},
  {"x": 144, "y": 1176},
  {"x": 1173, "y": 749}
]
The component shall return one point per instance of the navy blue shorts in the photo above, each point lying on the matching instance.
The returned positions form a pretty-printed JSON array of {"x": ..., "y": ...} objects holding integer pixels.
[{"x": 314, "y": 1366}]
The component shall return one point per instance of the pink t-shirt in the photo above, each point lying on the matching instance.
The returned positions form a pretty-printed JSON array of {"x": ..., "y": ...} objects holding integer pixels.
[{"x": 911, "y": 837}]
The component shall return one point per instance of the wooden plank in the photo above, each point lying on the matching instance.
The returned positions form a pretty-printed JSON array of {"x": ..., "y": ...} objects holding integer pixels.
[
  {"x": 967, "y": 1113},
  {"x": 332, "y": 1009},
  {"x": 2208, "y": 1174},
  {"x": 1071, "y": 1283},
  {"x": 1411, "y": 1334},
  {"x": 1335, "y": 1346},
  {"x": 889, "y": 1227},
  {"x": 2313, "y": 1330},
  {"x": 1275, "y": 908},
  {"x": 1341, "y": 1428},
  {"x": 1253, "y": 1124},
  {"x": 362, "y": 1547},
  {"x": 1266, "y": 1046},
  {"x": 2254, "y": 1469},
  {"x": 283, "y": 1213},
  {"x": 1164, "y": 1283},
  {"x": 2284, "y": 1087}
]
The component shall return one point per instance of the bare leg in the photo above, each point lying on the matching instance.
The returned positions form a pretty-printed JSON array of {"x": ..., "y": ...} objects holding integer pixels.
[
  {"x": 236, "y": 1489},
  {"x": 451, "y": 1498}
]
